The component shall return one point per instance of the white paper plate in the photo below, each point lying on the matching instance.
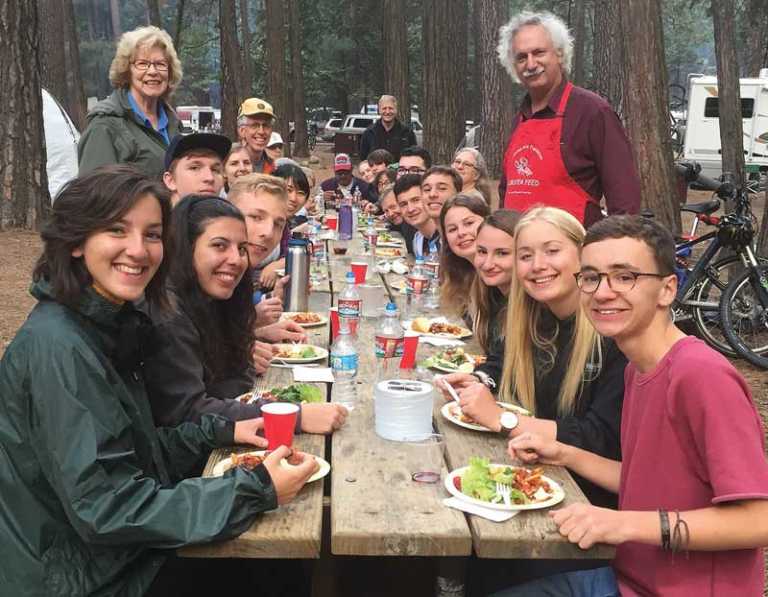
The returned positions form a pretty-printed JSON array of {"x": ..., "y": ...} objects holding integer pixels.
[
  {"x": 224, "y": 465},
  {"x": 466, "y": 334},
  {"x": 449, "y": 407},
  {"x": 323, "y": 319},
  {"x": 557, "y": 497},
  {"x": 320, "y": 353}
]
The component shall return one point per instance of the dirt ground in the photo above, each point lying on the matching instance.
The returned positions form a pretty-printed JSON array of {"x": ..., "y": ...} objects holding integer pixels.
[{"x": 20, "y": 250}]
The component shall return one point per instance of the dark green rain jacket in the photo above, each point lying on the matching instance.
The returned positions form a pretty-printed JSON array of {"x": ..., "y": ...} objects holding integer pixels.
[
  {"x": 117, "y": 135},
  {"x": 90, "y": 491}
]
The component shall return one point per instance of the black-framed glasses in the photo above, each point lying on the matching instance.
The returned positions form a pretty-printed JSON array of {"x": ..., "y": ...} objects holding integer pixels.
[
  {"x": 618, "y": 281},
  {"x": 461, "y": 163},
  {"x": 161, "y": 66},
  {"x": 411, "y": 170}
]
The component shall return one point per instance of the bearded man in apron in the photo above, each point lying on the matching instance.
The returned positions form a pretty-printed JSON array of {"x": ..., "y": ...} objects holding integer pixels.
[{"x": 567, "y": 148}]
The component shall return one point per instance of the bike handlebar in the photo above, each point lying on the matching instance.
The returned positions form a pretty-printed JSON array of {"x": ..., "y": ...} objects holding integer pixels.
[{"x": 691, "y": 172}]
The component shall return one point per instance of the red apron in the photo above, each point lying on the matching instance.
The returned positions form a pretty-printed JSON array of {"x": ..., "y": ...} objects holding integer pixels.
[{"x": 534, "y": 168}]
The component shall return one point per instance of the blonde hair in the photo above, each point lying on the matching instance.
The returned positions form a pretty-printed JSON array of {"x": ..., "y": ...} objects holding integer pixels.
[
  {"x": 144, "y": 37},
  {"x": 523, "y": 334},
  {"x": 255, "y": 183},
  {"x": 480, "y": 300}
]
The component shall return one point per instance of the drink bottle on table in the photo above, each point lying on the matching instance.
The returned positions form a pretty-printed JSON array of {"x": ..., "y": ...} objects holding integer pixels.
[
  {"x": 389, "y": 343},
  {"x": 296, "y": 295},
  {"x": 344, "y": 363},
  {"x": 350, "y": 304},
  {"x": 346, "y": 224}
]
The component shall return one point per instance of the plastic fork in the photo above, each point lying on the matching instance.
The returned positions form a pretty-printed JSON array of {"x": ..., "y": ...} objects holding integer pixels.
[
  {"x": 450, "y": 389},
  {"x": 505, "y": 492}
]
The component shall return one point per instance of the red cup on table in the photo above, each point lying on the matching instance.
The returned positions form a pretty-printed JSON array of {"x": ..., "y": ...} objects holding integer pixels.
[
  {"x": 279, "y": 423},
  {"x": 331, "y": 220},
  {"x": 410, "y": 344},
  {"x": 360, "y": 269}
]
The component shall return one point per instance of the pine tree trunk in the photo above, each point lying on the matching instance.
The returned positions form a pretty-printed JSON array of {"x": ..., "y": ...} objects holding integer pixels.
[
  {"x": 77, "y": 105},
  {"x": 608, "y": 54},
  {"x": 24, "y": 198},
  {"x": 301, "y": 147},
  {"x": 757, "y": 37},
  {"x": 231, "y": 69},
  {"x": 497, "y": 108},
  {"x": 53, "y": 64},
  {"x": 645, "y": 104},
  {"x": 114, "y": 13},
  {"x": 245, "y": 29},
  {"x": 396, "y": 67},
  {"x": 443, "y": 76},
  {"x": 153, "y": 11},
  {"x": 731, "y": 126},
  {"x": 179, "y": 25},
  {"x": 275, "y": 67},
  {"x": 579, "y": 34}
]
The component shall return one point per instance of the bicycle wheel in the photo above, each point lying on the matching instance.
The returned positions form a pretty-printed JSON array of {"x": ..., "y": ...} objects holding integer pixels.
[
  {"x": 745, "y": 316},
  {"x": 705, "y": 303}
]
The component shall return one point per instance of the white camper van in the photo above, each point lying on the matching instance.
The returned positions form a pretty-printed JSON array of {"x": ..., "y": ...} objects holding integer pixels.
[
  {"x": 702, "y": 133},
  {"x": 199, "y": 118}
]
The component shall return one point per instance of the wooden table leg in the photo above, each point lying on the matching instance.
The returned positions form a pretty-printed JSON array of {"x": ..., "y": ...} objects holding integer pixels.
[{"x": 451, "y": 577}]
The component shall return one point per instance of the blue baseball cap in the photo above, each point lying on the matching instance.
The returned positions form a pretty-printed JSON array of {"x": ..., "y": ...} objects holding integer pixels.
[{"x": 181, "y": 144}]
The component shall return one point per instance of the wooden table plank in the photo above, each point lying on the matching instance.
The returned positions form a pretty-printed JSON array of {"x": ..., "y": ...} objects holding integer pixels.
[
  {"x": 293, "y": 530},
  {"x": 376, "y": 509}
]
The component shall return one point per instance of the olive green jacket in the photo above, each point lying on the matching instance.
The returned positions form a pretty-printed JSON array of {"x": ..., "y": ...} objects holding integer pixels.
[
  {"x": 117, "y": 135},
  {"x": 91, "y": 493}
]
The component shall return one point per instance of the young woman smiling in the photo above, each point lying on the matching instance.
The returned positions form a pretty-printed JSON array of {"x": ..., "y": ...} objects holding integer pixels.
[
  {"x": 554, "y": 362},
  {"x": 459, "y": 219},
  {"x": 95, "y": 498},
  {"x": 207, "y": 357}
]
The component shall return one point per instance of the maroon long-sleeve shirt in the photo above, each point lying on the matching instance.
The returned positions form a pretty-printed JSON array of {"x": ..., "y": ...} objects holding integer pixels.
[{"x": 595, "y": 149}]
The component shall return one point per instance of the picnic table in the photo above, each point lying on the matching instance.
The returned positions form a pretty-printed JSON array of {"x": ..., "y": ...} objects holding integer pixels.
[{"x": 375, "y": 507}]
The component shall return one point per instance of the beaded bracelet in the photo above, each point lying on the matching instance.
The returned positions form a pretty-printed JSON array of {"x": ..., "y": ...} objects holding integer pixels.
[{"x": 665, "y": 536}]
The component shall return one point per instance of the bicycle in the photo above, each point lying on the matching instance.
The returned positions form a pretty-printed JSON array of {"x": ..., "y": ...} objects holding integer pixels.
[
  {"x": 735, "y": 322},
  {"x": 312, "y": 136}
]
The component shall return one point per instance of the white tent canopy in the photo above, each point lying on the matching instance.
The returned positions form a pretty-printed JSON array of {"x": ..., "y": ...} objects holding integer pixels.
[{"x": 61, "y": 137}]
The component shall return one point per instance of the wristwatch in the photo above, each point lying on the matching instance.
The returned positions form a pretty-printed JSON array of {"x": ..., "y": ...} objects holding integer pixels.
[{"x": 508, "y": 421}]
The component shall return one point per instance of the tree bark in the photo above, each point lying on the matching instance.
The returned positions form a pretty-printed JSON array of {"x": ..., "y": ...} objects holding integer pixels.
[
  {"x": 443, "y": 77},
  {"x": 24, "y": 198},
  {"x": 608, "y": 54},
  {"x": 395, "y": 45},
  {"x": 53, "y": 57},
  {"x": 77, "y": 105},
  {"x": 276, "y": 71},
  {"x": 301, "y": 147},
  {"x": 497, "y": 107},
  {"x": 579, "y": 34},
  {"x": 231, "y": 69},
  {"x": 245, "y": 29},
  {"x": 153, "y": 12},
  {"x": 179, "y": 25},
  {"x": 114, "y": 13},
  {"x": 731, "y": 126},
  {"x": 645, "y": 103},
  {"x": 757, "y": 37}
]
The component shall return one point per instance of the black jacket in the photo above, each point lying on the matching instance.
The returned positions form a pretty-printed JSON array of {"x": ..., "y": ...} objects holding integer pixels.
[
  {"x": 407, "y": 231},
  {"x": 393, "y": 140},
  {"x": 596, "y": 423}
]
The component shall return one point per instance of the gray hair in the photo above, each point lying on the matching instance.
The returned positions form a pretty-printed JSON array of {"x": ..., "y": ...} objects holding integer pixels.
[
  {"x": 389, "y": 98},
  {"x": 558, "y": 32},
  {"x": 480, "y": 163}
]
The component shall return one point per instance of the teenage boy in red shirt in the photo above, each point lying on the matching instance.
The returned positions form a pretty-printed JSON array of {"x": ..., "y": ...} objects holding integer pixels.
[{"x": 693, "y": 476}]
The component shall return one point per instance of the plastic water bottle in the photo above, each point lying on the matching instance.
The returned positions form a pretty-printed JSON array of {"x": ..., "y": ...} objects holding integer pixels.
[
  {"x": 417, "y": 283},
  {"x": 319, "y": 202},
  {"x": 389, "y": 343},
  {"x": 346, "y": 218},
  {"x": 344, "y": 362},
  {"x": 432, "y": 263},
  {"x": 350, "y": 304},
  {"x": 371, "y": 236}
]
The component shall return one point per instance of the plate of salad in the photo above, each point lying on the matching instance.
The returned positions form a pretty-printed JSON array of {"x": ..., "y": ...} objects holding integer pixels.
[
  {"x": 454, "y": 360},
  {"x": 298, "y": 393},
  {"x": 298, "y": 353},
  {"x": 529, "y": 488}
]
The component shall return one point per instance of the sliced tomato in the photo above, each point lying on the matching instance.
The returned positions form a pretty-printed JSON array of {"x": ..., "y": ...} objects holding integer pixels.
[{"x": 457, "y": 482}]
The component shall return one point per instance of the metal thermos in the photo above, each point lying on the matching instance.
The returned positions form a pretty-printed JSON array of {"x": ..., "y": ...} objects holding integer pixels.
[{"x": 296, "y": 294}]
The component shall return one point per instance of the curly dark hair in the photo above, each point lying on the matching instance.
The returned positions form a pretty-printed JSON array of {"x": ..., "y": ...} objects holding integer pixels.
[
  {"x": 88, "y": 204},
  {"x": 226, "y": 326}
]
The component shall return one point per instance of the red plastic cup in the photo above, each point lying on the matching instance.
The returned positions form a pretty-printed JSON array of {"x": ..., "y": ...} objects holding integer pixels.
[
  {"x": 360, "y": 269},
  {"x": 331, "y": 221},
  {"x": 333, "y": 315},
  {"x": 410, "y": 344},
  {"x": 279, "y": 423}
]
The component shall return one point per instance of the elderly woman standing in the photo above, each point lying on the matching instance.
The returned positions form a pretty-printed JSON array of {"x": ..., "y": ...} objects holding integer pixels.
[
  {"x": 471, "y": 166},
  {"x": 134, "y": 124}
]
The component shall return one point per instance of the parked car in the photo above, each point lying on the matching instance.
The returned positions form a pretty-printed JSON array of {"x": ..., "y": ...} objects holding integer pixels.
[{"x": 331, "y": 128}]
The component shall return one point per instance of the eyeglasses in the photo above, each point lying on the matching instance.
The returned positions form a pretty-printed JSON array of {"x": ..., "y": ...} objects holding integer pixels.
[
  {"x": 463, "y": 164},
  {"x": 160, "y": 65},
  {"x": 618, "y": 281},
  {"x": 411, "y": 170},
  {"x": 255, "y": 126}
]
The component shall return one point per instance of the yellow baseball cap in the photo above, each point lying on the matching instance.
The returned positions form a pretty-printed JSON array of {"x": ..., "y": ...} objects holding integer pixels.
[{"x": 254, "y": 106}]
